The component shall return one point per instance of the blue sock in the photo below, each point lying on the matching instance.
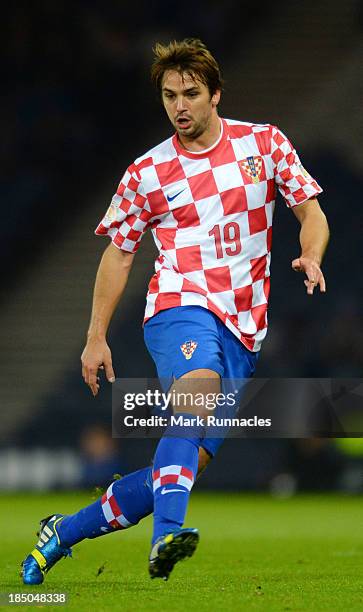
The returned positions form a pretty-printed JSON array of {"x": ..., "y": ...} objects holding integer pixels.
[
  {"x": 124, "y": 504},
  {"x": 174, "y": 472}
]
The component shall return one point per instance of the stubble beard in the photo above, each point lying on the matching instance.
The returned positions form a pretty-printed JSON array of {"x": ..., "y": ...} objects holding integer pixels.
[{"x": 195, "y": 130}]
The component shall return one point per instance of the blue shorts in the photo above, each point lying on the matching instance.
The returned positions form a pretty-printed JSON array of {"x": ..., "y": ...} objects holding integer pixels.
[{"x": 173, "y": 334}]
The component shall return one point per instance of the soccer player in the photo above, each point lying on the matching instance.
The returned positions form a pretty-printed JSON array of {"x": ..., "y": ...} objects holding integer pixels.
[{"x": 207, "y": 194}]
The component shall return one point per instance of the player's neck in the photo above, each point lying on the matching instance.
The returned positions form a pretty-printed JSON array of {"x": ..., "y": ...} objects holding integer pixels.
[{"x": 210, "y": 137}]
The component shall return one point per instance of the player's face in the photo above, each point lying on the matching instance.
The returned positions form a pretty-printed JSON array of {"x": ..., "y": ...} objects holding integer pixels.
[{"x": 188, "y": 104}]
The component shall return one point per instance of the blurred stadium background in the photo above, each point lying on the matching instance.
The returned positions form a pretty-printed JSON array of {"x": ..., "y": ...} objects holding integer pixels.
[{"x": 77, "y": 109}]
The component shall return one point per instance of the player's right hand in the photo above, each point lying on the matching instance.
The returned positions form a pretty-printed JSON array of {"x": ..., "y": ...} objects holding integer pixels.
[{"x": 96, "y": 356}]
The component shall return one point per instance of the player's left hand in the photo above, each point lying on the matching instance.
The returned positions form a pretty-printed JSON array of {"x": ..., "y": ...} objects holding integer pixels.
[{"x": 313, "y": 272}]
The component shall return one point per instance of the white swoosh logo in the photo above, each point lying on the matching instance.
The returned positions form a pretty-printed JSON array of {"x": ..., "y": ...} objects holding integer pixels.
[{"x": 164, "y": 491}]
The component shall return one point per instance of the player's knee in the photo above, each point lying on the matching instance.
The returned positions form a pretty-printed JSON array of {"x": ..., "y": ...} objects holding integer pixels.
[{"x": 195, "y": 392}]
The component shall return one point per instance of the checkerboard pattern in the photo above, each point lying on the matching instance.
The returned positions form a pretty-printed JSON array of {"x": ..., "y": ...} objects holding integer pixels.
[
  {"x": 112, "y": 511},
  {"x": 211, "y": 219},
  {"x": 173, "y": 474}
]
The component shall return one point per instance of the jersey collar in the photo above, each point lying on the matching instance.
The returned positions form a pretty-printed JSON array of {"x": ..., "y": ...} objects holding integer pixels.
[{"x": 207, "y": 152}]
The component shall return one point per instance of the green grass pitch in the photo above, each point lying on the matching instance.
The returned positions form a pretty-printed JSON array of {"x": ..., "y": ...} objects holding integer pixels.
[{"x": 255, "y": 553}]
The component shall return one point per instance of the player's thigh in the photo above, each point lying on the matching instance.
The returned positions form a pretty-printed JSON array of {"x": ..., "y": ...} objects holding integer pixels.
[
  {"x": 183, "y": 340},
  {"x": 239, "y": 366},
  {"x": 186, "y": 342}
]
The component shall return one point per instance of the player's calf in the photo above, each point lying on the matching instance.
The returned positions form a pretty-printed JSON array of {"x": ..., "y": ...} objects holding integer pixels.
[
  {"x": 132, "y": 494},
  {"x": 58, "y": 532}
]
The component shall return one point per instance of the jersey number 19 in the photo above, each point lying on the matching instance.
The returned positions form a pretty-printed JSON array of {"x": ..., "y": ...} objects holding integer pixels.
[{"x": 231, "y": 237}]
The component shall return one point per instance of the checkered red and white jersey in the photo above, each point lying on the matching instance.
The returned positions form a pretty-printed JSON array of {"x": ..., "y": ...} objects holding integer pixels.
[{"x": 211, "y": 218}]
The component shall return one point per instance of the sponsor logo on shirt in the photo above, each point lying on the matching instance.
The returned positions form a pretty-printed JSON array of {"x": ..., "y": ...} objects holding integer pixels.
[{"x": 170, "y": 198}]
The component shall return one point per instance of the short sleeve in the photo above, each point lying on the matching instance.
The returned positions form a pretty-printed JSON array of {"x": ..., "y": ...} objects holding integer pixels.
[
  {"x": 126, "y": 219},
  {"x": 294, "y": 182}
]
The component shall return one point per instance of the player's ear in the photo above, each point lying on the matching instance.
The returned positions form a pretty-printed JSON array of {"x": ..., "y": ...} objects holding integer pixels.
[{"x": 216, "y": 97}]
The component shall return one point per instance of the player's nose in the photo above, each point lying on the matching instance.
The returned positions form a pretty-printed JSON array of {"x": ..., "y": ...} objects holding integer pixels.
[{"x": 180, "y": 104}]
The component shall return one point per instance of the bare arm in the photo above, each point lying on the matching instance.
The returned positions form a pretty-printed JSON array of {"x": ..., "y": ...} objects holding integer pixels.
[
  {"x": 110, "y": 284},
  {"x": 314, "y": 237}
]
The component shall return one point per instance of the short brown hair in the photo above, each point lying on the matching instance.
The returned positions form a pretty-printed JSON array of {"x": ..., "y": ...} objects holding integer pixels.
[{"x": 188, "y": 56}]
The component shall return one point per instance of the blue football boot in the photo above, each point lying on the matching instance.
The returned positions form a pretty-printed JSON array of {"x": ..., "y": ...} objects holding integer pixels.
[
  {"x": 170, "y": 549},
  {"x": 46, "y": 553}
]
